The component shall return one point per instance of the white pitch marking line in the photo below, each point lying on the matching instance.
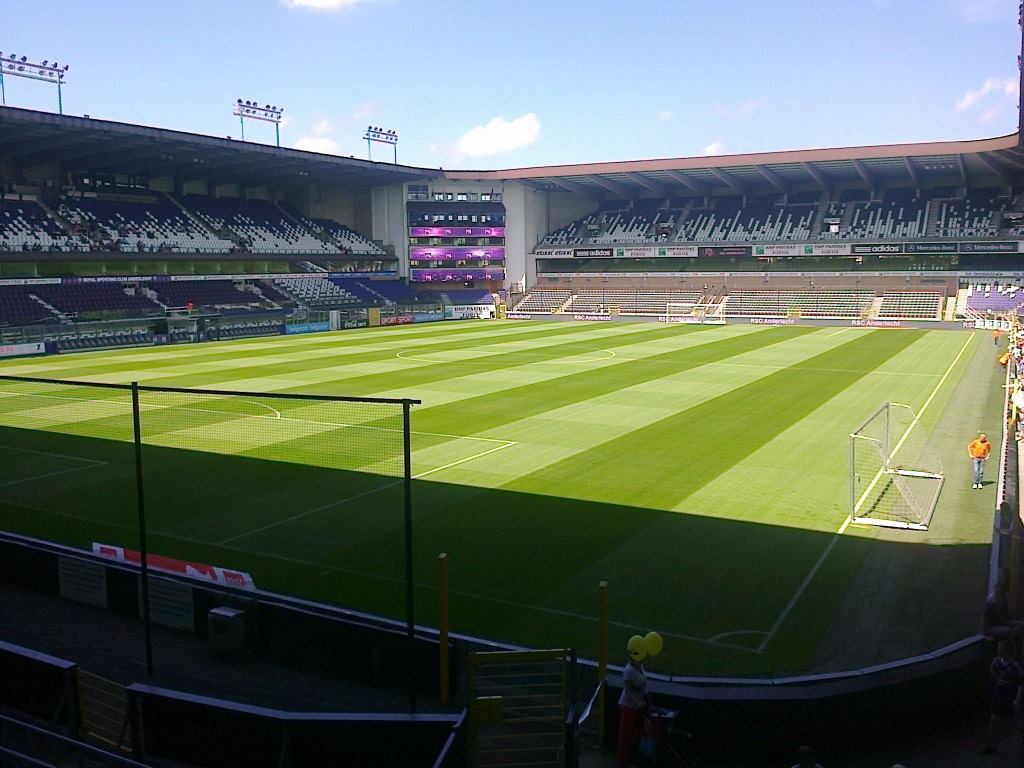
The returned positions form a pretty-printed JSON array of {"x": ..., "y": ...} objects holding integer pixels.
[
  {"x": 849, "y": 518},
  {"x": 362, "y": 494},
  {"x": 561, "y": 360},
  {"x": 48, "y": 453},
  {"x": 154, "y": 407},
  {"x": 51, "y": 474}
]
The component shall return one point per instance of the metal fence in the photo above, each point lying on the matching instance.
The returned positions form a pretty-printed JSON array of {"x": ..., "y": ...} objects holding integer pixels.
[{"x": 288, "y": 491}]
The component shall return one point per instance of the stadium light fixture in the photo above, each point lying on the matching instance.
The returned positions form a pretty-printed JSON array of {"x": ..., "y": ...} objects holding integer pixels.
[
  {"x": 19, "y": 66},
  {"x": 253, "y": 111},
  {"x": 381, "y": 136}
]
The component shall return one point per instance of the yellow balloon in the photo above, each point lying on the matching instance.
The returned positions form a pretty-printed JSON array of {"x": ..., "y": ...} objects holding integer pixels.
[
  {"x": 654, "y": 643},
  {"x": 636, "y": 647}
]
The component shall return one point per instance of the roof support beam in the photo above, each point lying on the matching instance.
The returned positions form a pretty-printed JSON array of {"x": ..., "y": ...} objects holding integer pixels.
[
  {"x": 574, "y": 186},
  {"x": 997, "y": 169},
  {"x": 1011, "y": 157},
  {"x": 818, "y": 175},
  {"x": 649, "y": 184},
  {"x": 697, "y": 186},
  {"x": 963, "y": 170},
  {"x": 727, "y": 179},
  {"x": 912, "y": 172},
  {"x": 865, "y": 174},
  {"x": 773, "y": 178},
  {"x": 612, "y": 186}
]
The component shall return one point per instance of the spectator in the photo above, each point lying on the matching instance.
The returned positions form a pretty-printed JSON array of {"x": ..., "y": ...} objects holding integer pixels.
[
  {"x": 806, "y": 758},
  {"x": 632, "y": 704},
  {"x": 1006, "y": 677},
  {"x": 979, "y": 450}
]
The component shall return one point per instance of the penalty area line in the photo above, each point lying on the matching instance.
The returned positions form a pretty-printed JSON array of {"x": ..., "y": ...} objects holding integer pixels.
[
  {"x": 849, "y": 518},
  {"x": 363, "y": 494}
]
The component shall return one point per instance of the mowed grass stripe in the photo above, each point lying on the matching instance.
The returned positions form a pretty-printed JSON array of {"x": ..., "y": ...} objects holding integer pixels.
[
  {"x": 492, "y": 410},
  {"x": 407, "y": 379},
  {"x": 81, "y": 366},
  {"x": 558, "y": 339},
  {"x": 664, "y": 469}
]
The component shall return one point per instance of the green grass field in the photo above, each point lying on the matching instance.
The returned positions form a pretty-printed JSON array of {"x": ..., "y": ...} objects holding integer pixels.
[{"x": 701, "y": 471}]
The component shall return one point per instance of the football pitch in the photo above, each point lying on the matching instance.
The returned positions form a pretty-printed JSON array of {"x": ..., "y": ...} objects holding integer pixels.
[{"x": 701, "y": 471}]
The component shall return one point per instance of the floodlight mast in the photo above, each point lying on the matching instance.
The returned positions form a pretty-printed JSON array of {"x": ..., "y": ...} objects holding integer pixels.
[
  {"x": 253, "y": 111},
  {"x": 19, "y": 66},
  {"x": 381, "y": 136}
]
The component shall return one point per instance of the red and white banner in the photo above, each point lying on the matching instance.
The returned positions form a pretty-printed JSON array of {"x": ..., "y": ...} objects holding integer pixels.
[{"x": 201, "y": 571}]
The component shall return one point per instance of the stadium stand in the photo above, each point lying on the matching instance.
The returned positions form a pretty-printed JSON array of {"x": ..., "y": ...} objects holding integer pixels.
[
  {"x": 631, "y": 302},
  {"x": 218, "y": 295},
  {"x": 914, "y": 305},
  {"x": 316, "y": 291},
  {"x": 96, "y": 299},
  {"x": 390, "y": 291},
  {"x": 348, "y": 240},
  {"x": 765, "y": 219},
  {"x": 823, "y": 304},
  {"x": 145, "y": 226},
  {"x": 25, "y": 226},
  {"x": 986, "y": 298},
  {"x": 976, "y": 215},
  {"x": 258, "y": 225},
  {"x": 468, "y": 296},
  {"x": 543, "y": 300},
  {"x": 901, "y": 213},
  {"x": 17, "y": 307}
]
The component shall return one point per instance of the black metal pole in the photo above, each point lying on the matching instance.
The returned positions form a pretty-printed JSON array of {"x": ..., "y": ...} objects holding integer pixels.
[
  {"x": 410, "y": 603},
  {"x": 143, "y": 556}
]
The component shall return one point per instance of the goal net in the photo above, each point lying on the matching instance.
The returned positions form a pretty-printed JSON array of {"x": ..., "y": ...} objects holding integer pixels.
[{"x": 895, "y": 474}]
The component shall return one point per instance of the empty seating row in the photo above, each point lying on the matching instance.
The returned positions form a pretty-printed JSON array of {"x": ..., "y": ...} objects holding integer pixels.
[
  {"x": 822, "y": 304},
  {"x": 915, "y": 305},
  {"x": 543, "y": 300},
  {"x": 316, "y": 291},
  {"x": 140, "y": 226},
  {"x": 95, "y": 299},
  {"x": 25, "y": 226},
  {"x": 18, "y": 307},
  {"x": 258, "y": 225},
  {"x": 631, "y": 302}
]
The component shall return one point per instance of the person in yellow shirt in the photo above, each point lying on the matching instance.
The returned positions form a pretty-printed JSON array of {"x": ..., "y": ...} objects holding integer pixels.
[{"x": 979, "y": 449}]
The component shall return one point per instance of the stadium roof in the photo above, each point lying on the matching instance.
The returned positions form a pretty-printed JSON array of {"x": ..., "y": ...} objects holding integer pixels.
[
  {"x": 996, "y": 161},
  {"x": 31, "y": 138}
]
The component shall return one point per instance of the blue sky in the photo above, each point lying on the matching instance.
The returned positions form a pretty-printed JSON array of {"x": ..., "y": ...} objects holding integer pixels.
[{"x": 508, "y": 83}]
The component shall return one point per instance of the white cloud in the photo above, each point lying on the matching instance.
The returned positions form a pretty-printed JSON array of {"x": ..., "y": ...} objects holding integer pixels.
[
  {"x": 361, "y": 112},
  {"x": 321, "y": 5},
  {"x": 664, "y": 115},
  {"x": 497, "y": 136},
  {"x": 322, "y": 126},
  {"x": 980, "y": 11},
  {"x": 714, "y": 148},
  {"x": 1008, "y": 86},
  {"x": 321, "y": 144},
  {"x": 739, "y": 110},
  {"x": 989, "y": 115}
]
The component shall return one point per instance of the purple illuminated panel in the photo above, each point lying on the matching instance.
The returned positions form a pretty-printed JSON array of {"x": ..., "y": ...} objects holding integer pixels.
[
  {"x": 449, "y": 275},
  {"x": 455, "y": 252},
  {"x": 456, "y": 231}
]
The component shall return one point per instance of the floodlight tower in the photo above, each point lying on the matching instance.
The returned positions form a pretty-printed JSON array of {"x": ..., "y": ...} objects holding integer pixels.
[
  {"x": 19, "y": 66},
  {"x": 381, "y": 136},
  {"x": 253, "y": 111}
]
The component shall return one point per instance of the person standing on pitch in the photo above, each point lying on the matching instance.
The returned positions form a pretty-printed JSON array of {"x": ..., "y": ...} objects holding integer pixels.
[{"x": 978, "y": 450}]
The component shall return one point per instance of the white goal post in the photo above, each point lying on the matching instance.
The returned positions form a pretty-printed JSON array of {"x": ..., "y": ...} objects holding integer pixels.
[
  {"x": 895, "y": 474},
  {"x": 693, "y": 314}
]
